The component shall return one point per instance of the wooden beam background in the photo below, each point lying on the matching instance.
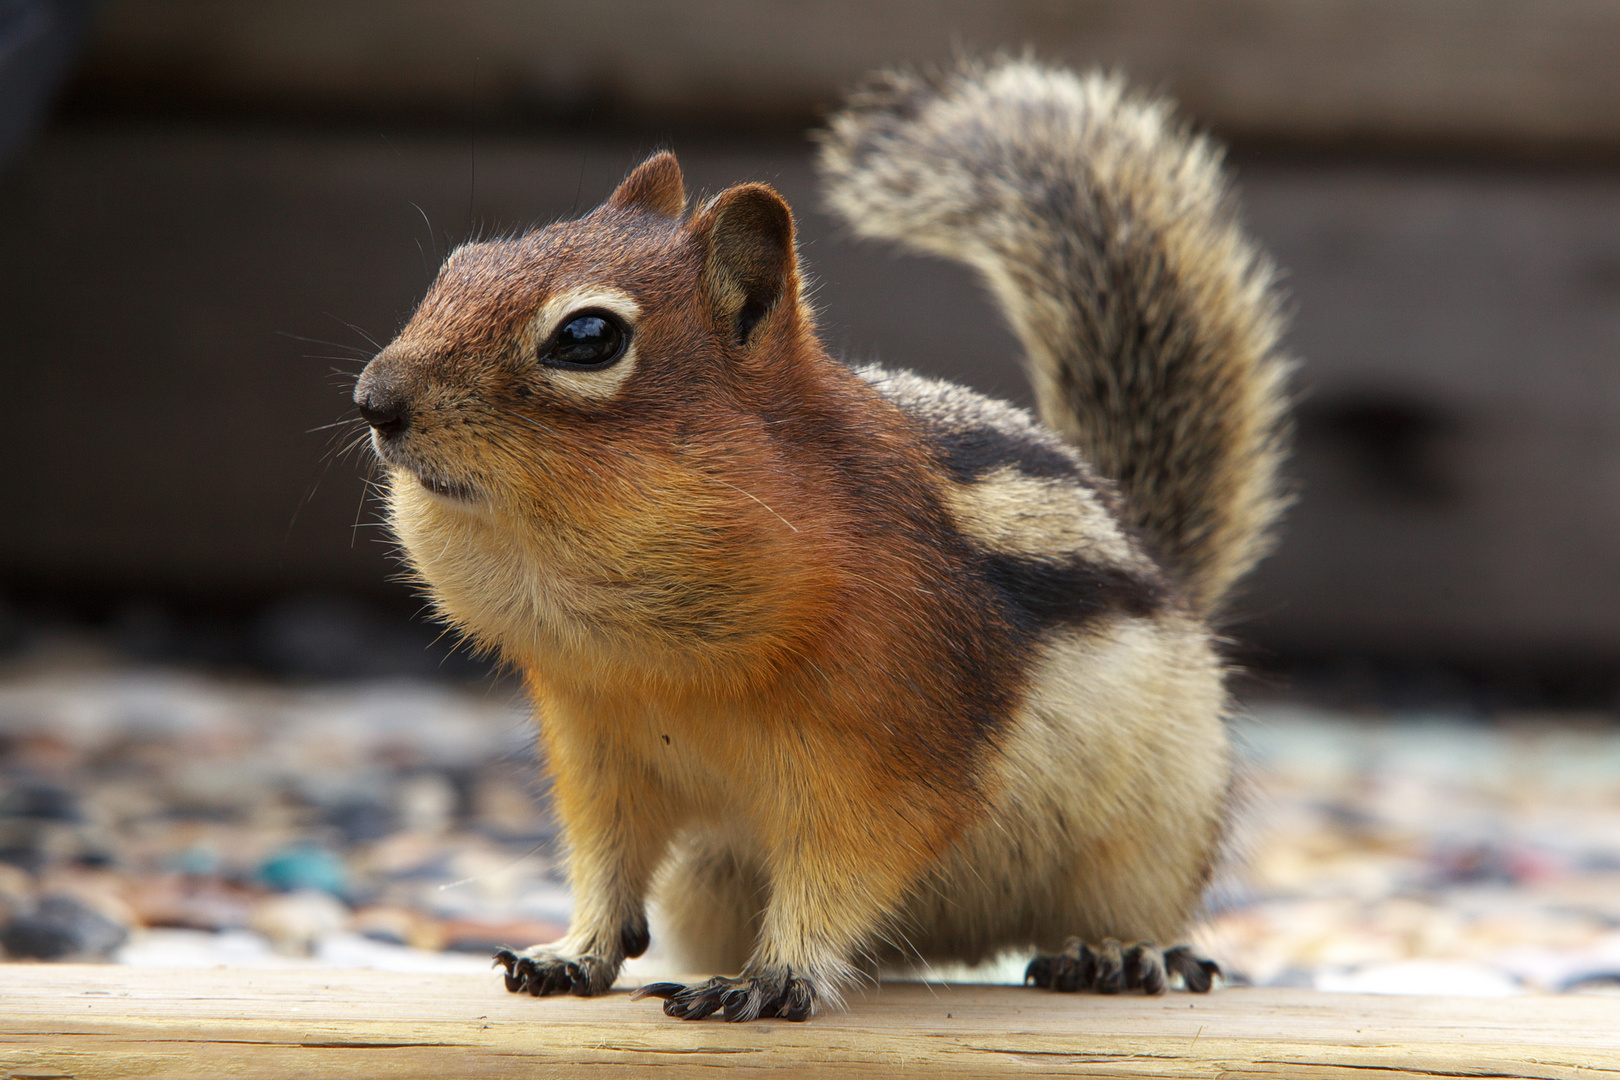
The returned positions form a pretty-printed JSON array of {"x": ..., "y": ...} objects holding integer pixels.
[{"x": 1536, "y": 72}]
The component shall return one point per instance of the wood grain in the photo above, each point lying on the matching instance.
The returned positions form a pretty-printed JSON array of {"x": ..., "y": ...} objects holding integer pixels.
[{"x": 94, "y": 1022}]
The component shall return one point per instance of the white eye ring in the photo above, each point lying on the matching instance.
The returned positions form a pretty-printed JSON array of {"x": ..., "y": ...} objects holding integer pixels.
[{"x": 589, "y": 382}]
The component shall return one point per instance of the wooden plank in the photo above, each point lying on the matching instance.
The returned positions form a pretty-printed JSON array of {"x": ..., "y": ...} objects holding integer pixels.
[{"x": 93, "y": 1022}]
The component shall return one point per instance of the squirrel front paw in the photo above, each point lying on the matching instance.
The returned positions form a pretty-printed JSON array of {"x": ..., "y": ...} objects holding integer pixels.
[
  {"x": 776, "y": 992},
  {"x": 540, "y": 972},
  {"x": 1111, "y": 967}
]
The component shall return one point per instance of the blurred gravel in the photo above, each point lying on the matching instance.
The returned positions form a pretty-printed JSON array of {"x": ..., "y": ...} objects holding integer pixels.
[
  {"x": 154, "y": 816},
  {"x": 1424, "y": 854}
]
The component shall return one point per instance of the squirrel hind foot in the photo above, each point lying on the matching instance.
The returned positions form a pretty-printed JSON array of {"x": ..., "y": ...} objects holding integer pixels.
[
  {"x": 776, "y": 993},
  {"x": 1110, "y": 967}
]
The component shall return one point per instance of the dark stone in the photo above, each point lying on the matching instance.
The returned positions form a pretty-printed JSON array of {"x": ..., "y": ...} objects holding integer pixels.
[
  {"x": 61, "y": 927},
  {"x": 41, "y": 802},
  {"x": 362, "y": 819},
  {"x": 23, "y": 857}
]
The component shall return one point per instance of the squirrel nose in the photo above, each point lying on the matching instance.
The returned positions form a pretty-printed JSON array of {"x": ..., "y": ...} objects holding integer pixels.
[{"x": 383, "y": 406}]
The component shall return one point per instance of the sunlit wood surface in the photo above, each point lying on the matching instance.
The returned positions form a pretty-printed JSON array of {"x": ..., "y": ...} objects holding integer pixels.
[{"x": 93, "y": 1022}]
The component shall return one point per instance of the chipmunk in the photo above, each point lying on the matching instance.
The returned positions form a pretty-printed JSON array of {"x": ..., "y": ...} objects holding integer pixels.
[{"x": 844, "y": 665}]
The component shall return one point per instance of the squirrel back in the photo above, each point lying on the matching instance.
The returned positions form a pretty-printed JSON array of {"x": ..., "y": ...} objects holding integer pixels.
[{"x": 1106, "y": 233}]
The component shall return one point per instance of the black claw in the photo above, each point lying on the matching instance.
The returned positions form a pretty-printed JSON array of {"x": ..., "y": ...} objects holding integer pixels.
[
  {"x": 704, "y": 1006},
  {"x": 657, "y": 990},
  {"x": 1197, "y": 973},
  {"x": 1091, "y": 967},
  {"x": 1144, "y": 968},
  {"x": 734, "y": 1006},
  {"x": 1078, "y": 969},
  {"x": 1067, "y": 973},
  {"x": 1039, "y": 972},
  {"x": 800, "y": 1002},
  {"x": 699, "y": 1001},
  {"x": 1110, "y": 968},
  {"x": 508, "y": 960}
]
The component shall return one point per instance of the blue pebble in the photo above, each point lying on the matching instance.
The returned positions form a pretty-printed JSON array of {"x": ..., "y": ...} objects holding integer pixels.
[
  {"x": 197, "y": 860},
  {"x": 304, "y": 866}
]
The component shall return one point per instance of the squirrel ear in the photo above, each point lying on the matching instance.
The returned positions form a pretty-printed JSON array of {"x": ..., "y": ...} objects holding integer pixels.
[
  {"x": 749, "y": 263},
  {"x": 654, "y": 186}
]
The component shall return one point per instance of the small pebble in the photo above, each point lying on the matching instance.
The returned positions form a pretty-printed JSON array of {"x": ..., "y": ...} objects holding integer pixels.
[
  {"x": 304, "y": 866},
  {"x": 41, "y": 802},
  {"x": 295, "y": 921},
  {"x": 426, "y": 803},
  {"x": 16, "y": 891},
  {"x": 61, "y": 928},
  {"x": 191, "y": 902},
  {"x": 363, "y": 819}
]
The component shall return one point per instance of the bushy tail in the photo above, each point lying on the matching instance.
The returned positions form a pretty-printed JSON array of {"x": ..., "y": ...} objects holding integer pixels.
[{"x": 1106, "y": 232}]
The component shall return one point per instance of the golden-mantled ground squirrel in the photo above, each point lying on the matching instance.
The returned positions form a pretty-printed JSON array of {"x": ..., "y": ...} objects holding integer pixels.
[{"x": 846, "y": 666}]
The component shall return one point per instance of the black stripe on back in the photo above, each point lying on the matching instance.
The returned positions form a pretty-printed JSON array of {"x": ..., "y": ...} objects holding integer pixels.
[
  {"x": 969, "y": 453},
  {"x": 1042, "y": 593}
]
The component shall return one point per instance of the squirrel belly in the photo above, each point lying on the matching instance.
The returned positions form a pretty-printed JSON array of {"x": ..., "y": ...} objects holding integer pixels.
[{"x": 846, "y": 666}]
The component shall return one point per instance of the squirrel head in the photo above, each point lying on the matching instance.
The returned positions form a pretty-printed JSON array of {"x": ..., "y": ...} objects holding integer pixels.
[
  {"x": 577, "y": 422},
  {"x": 586, "y": 333}
]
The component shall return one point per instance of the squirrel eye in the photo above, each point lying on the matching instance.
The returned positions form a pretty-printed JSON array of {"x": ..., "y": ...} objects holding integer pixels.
[{"x": 586, "y": 340}]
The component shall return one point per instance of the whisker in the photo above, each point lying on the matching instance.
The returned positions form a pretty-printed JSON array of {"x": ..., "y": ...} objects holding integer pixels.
[
  {"x": 309, "y": 495},
  {"x": 345, "y": 422},
  {"x": 371, "y": 340},
  {"x": 356, "y": 443},
  {"x": 321, "y": 341},
  {"x": 365, "y": 489},
  {"x": 346, "y": 441},
  {"x": 751, "y": 495},
  {"x": 472, "y": 185},
  {"x": 432, "y": 239},
  {"x": 579, "y": 186}
]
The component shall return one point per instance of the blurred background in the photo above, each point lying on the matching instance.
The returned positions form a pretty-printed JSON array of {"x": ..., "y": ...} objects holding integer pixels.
[
  {"x": 230, "y": 203},
  {"x": 212, "y": 212}
]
